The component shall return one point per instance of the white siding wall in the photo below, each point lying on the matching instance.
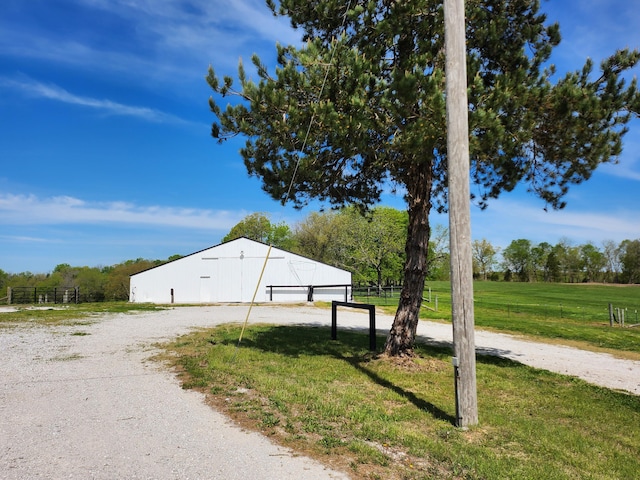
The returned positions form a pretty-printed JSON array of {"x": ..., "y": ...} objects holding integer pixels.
[{"x": 229, "y": 273}]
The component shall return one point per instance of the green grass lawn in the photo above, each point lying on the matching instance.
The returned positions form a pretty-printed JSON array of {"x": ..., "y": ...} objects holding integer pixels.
[
  {"x": 575, "y": 313},
  {"x": 378, "y": 418}
]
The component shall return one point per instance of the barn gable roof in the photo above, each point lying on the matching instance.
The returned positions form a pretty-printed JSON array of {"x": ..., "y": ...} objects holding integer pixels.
[{"x": 225, "y": 243}]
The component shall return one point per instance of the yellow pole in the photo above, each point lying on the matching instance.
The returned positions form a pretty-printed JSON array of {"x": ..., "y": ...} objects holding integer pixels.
[{"x": 255, "y": 293}]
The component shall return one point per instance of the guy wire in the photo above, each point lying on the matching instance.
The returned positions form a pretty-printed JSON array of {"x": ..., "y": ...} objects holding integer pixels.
[
  {"x": 313, "y": 115},
  {"x": 295, "y": 172}
]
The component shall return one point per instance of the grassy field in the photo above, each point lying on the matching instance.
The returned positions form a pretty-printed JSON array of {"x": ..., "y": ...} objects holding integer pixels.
[
  {"x": 377, "y": 418},
  {"x": 574, "y": 313}
]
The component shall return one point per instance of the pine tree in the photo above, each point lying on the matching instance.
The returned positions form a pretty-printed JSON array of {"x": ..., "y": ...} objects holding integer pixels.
[{"x": 361, "y": 105}]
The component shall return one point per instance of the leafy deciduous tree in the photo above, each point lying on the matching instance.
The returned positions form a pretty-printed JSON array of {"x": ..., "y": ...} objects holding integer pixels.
[
  {"x": 374, "y": 242},
  {"x": 552, "y": 265},
  {"x": 257, "y": 226},
  {"x": 517, "y": 258},
  {"x": 484, "y": 256},
  {"x": 4, "y": 277},
  {"x": 593, "y": 262},
  {"x": 630, "y": 259},
  {"x": 569, "y": 260},
  {"x": 117, "y": 284},
  {"x": 611, "y": 252},
  {"x": 439, "y": 256},
  {"x": 540, "y": 260},
  {"x": 370, "y": 246},
  {"x": 317, "y": 236}
]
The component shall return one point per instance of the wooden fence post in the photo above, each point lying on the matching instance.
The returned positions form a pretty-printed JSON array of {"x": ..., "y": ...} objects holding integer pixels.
[{"x": 611, "y": 314}]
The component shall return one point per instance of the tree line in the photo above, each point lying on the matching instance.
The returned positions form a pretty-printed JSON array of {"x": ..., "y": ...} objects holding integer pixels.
[
  {"x": 96, "y": 284},
  {"x": 371, "y": 246},
  {"x": 613, "y": 263}
]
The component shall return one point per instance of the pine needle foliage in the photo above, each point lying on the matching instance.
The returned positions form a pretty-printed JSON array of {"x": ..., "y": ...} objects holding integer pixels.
[{"x": 361, "y": 105}]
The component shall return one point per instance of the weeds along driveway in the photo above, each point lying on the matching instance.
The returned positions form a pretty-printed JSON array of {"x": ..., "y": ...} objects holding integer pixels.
[{"x": 84, "y": 402}]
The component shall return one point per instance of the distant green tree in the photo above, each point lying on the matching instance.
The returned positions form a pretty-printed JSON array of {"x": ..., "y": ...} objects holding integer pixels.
[
  {"x": 484, "y": 257},
  {"x": 593, "y": 262},
  {"x": 611, "y": 252},
  {"x": 91, "y": 282},
  {"x": 517, "y": 258},
  {"x": 369, "y": 245},
  {"x": 508, "y": 275},
  {"x": 569, "y": 259},
  {"x": 630, "y": 259},
  {"x": 258, "y": 227},
  {"x": 438, "y": 256},
  {"x": 26, "y": 279},
  {"x": 117, "y": 283},
  {"x": 61, "y": 267},
  {"x": 63, "y": 275},
  {"x": 4, "y": 278},
  {"x": 540, "y": 260},
  {"x": 373, "y": 245},
  {"x": 552, "y": 266},
  {"x": 282, "y": 237},
  {"x": 317, "y": 236}
]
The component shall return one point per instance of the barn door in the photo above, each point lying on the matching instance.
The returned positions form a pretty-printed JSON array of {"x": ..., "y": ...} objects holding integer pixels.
[
  {"x": 239, "y": 277},
  {"x": 251, "y": 268},
  {"x": 206, "y": 289},
  {"x": 230, "y": 280}
]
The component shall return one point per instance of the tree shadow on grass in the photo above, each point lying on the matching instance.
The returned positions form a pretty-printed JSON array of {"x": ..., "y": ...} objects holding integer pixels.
[
  {"x": 295, "y": 341},
  {"x": 410, "y": 396},
  {"x": 482, "y": 353}
]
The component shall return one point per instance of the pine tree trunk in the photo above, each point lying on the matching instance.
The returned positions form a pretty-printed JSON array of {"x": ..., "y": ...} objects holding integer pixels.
[{"x": 403, "y": 331}]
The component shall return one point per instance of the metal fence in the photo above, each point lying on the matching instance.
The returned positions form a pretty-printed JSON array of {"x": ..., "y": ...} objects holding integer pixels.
[
  {"x": 377, "y": 295},
  {"x": 55, "y": 295},
  {"x": 310, "y": 290}
]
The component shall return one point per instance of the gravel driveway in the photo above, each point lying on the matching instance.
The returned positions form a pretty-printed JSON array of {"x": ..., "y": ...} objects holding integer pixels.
[{"x": 84, "y": 402}]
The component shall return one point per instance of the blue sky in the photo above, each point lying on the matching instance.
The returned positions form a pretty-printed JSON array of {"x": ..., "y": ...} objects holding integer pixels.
[{"x": 105, "y": 152}]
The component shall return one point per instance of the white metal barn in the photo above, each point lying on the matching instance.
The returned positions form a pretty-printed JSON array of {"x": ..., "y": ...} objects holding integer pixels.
[{"x": 229, "y": 272}]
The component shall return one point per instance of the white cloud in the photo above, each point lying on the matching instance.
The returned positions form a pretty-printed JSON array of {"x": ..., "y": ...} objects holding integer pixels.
[
  {"x": 199, "y": 19},
  {"x": 37, "y": 89},
  {"x": 594, "y": 28},
  {"x": 160, "y": 45},
  {"x": 507, "y": 220},
  {"x": 23, "y": 239},
  {"x": 32, "y": 210},
  {"x": 169, "y": 40}
]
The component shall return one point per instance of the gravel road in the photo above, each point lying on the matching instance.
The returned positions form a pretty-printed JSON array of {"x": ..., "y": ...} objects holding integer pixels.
[{"x": 84, "y": 401}]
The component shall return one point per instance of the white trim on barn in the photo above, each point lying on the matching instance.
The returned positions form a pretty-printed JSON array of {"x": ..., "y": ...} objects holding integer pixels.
[{"x": 230, "y": 271}]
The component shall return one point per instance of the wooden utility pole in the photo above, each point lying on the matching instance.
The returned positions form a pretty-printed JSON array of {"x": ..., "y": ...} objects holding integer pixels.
[{"x": 464, "y": 360}]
